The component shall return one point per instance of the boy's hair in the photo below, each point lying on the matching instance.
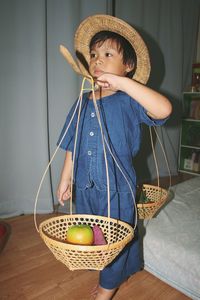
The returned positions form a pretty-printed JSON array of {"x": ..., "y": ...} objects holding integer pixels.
[{"x": 123, "y": 46}]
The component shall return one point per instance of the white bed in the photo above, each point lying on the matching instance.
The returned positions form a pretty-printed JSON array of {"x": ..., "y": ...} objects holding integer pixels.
[{"x": 171, "y": 242}]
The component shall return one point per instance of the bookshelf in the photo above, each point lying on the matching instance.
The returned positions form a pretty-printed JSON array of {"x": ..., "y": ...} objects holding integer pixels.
[{"x": 189, "y": 150}]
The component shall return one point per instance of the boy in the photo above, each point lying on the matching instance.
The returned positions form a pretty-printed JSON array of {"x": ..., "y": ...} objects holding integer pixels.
[{"x": 117, "y": 58}]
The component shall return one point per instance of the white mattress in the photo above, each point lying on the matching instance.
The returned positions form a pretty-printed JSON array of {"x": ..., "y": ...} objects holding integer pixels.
[{"x": 171, "y": 243}]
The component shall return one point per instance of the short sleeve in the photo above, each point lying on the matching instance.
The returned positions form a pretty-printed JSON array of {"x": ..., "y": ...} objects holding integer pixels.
[
  {"x": 66, "y": 138},
  {"x": 143, "y": 116}
]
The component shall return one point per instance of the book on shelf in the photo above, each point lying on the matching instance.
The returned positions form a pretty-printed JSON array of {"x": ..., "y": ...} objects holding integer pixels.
[
  {"x": 192, "y": 163},
  {"x": 194, "y": 111}
]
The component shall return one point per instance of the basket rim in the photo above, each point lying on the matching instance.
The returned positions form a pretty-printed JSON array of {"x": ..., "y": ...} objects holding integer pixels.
[
  {"x": 154, "y": 186},
  {"x": 90, "y": 248},
  {"x": 154, "y": 203},
  {"x": 149, "y": 204}
]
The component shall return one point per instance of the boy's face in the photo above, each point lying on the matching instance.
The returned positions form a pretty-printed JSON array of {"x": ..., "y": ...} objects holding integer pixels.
[{"x": 105, "y": 58}]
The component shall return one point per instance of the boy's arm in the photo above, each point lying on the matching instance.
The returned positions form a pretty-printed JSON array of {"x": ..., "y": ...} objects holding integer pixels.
[
  {"x": 64, "y": 187},
  {"x": 156, "y": 105}
]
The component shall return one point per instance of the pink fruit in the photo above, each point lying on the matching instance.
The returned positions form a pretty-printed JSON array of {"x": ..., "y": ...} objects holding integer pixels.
[{"x": 99, "y": 238}]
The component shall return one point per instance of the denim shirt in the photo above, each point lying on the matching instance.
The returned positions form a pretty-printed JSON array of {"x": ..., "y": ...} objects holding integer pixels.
[{"x": 121, "y": 118}]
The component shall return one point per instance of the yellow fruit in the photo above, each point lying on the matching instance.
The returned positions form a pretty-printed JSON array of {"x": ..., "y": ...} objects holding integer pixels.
[{"x": 80, "y": 235}]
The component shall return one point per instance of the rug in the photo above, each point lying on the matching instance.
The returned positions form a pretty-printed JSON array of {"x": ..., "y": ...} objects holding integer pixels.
[{"x": 5, "y": 231}]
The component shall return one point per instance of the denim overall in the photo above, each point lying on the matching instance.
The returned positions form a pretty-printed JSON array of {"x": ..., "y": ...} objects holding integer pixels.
[{"x": 121, "y": 119}]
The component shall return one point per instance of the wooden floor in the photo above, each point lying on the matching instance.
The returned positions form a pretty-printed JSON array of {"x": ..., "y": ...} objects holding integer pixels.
[{"x": 29, "y": 271}]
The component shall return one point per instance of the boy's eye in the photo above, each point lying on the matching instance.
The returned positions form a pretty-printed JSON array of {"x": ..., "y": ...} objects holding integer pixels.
[
  {"x": 108, "y": 54},
  {"x": 92, "y": 55}
]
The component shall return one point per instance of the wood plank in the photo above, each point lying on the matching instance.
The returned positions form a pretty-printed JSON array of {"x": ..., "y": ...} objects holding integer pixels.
[{"x": 29, "y": 271}]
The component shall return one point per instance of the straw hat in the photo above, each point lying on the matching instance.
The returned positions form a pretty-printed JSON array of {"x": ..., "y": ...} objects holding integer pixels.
[{"x": 93, "y": 24}]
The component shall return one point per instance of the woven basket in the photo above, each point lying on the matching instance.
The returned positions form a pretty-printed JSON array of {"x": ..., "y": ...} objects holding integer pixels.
[
  {"x": 53, "y": 231},
  {"x": 157, "y": 196},
  {"x": 75, "y": 257}
]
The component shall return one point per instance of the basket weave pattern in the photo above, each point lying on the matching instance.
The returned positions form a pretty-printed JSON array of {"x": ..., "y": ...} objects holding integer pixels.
[
  {"x": 157, "y": 197},
  {"x": 75, "y": 257}
]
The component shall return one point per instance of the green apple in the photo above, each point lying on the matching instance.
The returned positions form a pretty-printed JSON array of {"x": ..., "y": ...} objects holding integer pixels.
[{"x": 80, "y": 235}]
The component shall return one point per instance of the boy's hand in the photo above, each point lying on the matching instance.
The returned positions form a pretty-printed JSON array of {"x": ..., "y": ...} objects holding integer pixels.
[
  {"x": 109, "y": 81},
  {"x": 63, "y": 192}
]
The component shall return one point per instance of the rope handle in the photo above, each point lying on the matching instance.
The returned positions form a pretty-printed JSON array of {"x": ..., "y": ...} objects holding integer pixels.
[
  {"x": 154, "y": 155},
  {"x": 104, "y": 143},
  {"x": 79, "y": 103},
  {"x": 49, "y": 164}
]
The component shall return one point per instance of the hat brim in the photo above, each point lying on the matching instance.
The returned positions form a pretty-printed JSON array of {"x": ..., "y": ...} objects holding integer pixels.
[{"x": 93, "y": 24}]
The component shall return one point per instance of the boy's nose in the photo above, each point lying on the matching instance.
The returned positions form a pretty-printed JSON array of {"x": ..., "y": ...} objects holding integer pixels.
[{"x": 98, "y": 60}]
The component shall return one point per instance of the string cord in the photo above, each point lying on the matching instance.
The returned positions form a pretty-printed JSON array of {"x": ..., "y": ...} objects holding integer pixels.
[
  {"x": 52, "y": 158},
  {"x": 165, "y": 156},
  {"x": 75, "y": 141},
  {"x": 104, "y": 142},
  {"x": 154, "y": 156}
]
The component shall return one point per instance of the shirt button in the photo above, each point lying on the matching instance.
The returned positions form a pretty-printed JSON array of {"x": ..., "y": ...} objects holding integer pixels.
[
  {"x": 91, "y": 133},
  {"x": 92, "y": 115},
  {"x": 89, "y": 152}
]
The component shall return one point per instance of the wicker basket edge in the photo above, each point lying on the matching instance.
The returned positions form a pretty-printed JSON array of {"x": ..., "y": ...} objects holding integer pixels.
[{"x": 66, "y": 246}]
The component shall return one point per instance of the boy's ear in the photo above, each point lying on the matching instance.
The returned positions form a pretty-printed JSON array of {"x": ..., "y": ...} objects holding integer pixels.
[{"x": 129, "y": 67}]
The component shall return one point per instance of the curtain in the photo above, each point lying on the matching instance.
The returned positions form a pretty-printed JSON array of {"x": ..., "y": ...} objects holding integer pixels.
[
  {"x": 23, "y": 109},
  {"x": 63, "y": 18},
  {"x": 37, "y": 86},
  {"x": 169, "y": 29},
  {"x": 198, "y": 45}
]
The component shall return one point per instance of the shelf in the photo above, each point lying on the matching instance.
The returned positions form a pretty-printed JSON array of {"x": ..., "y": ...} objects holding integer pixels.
[
  {"x": 191, "y": 120},
  {"x": 190, "y": 133},
  {"x": 191, "y": 93},
  {"x": 191, "y": 106},
  {"x": 190, "y": 147},
  {"x": 189, "y": 172}
]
